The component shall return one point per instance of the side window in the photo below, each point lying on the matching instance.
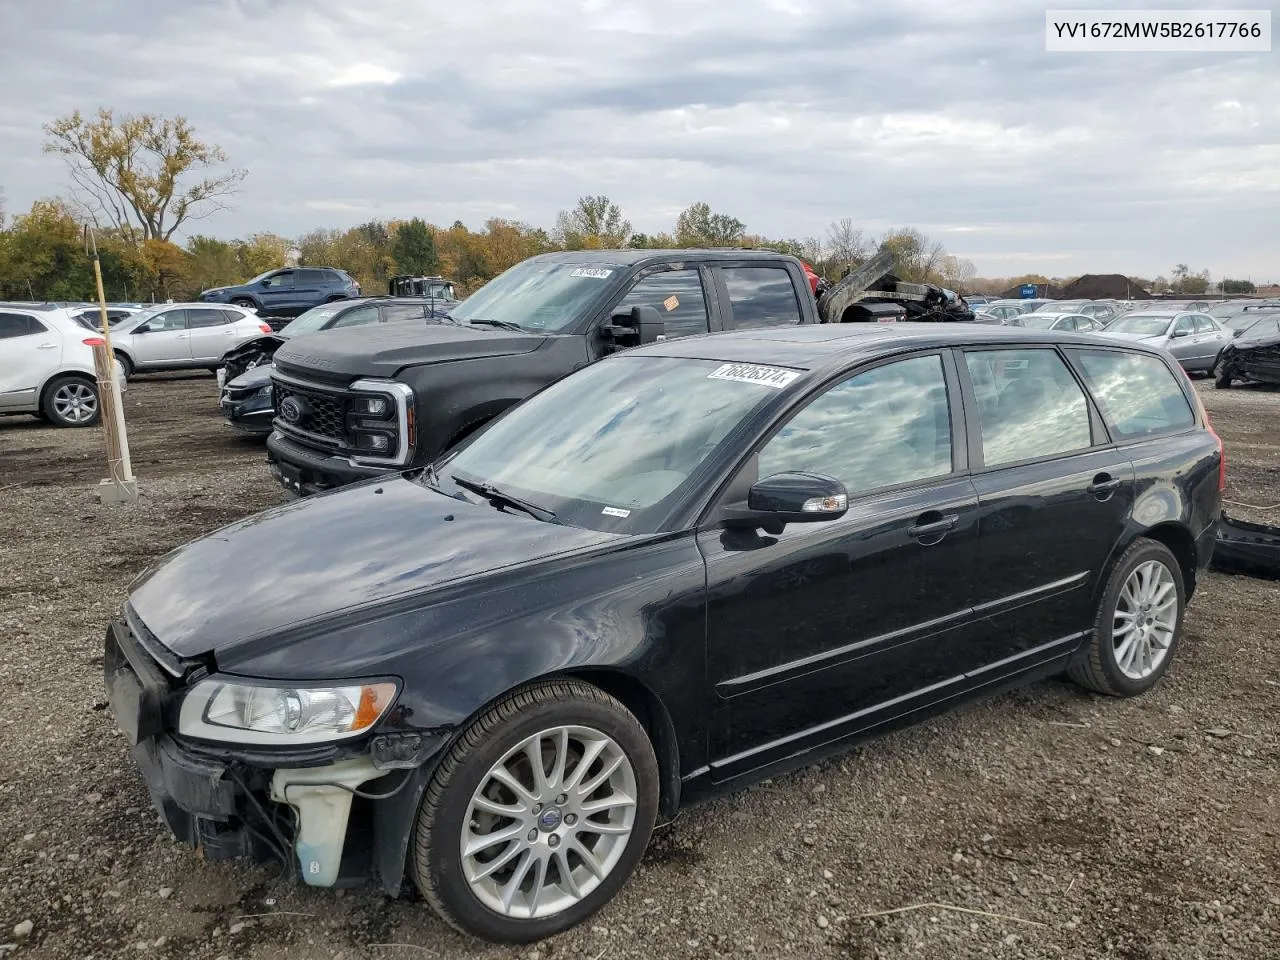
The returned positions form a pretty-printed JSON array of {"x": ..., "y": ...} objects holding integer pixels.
[
  {"x": 1204, "y": 324},
  {"x": 1029, "y": 405},
  {"x": 168, "y": 321},
  {"x": 14, "y": 325},
  {"x": 881, "y": 428},
  {"x": 197, "y": 318},
  {"x": 1137, "y": 394},
  {"x": 761, "y": 297},
  {"x": 676, "y": 295},
  {"x": 1184, "y": 325},
  {"x": 391, "y": 312},
  {"x": 281, "y": 281},
  {"x": 311, "y": 278},
  {"x": 358, "y": 317}
]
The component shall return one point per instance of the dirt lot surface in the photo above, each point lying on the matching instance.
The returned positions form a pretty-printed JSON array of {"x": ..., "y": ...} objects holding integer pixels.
[{"x": 1066, "y": 825}]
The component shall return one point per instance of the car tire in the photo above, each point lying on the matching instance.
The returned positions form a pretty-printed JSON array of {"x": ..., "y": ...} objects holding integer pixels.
[
  {"x": 244, "y": 302},
  {"x": 126, "y": 365},
  {"x": 1223, "y": 381},
  {"x": 546, "y": 831},
  {"x": 1138, "y": 624},
  {"x": 71, "y": 401}
]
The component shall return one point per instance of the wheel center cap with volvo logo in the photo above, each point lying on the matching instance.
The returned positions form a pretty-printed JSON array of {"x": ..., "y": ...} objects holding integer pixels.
[
  {"x": 293, "y": 409},
  {"x": 549, "y": 819}
]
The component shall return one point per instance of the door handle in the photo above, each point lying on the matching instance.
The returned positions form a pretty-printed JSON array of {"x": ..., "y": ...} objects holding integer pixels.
[
  {"x": 181, "y": 336},
  {"x": 47, "y": 346},
  {"x": 933, "y": 528},
  {"x": 1104, "y": 485}
]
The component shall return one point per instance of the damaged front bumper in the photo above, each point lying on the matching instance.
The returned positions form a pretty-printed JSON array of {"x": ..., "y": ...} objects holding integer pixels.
[{"x": 344, "y": 814}]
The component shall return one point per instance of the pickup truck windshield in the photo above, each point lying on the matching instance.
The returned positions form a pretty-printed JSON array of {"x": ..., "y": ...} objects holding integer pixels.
[
  {"x": 538, "y": 295},
  {"x": 614, "y": 446}
]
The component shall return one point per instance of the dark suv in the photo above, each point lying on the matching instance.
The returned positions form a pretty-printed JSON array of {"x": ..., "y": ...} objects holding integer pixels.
[
  {"x": 669, "y": 574},
  {"x": 287, "y": 292}
]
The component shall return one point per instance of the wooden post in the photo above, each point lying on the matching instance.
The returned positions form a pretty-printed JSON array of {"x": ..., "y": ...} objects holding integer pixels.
[{"x": 120, "y": 485}]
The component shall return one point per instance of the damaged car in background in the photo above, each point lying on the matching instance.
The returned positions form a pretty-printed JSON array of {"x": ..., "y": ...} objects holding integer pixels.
[
  {"x": 1254, "y": 353},
  {"x": 245, "y": 376},
  {"x": 491, "y": 675}
]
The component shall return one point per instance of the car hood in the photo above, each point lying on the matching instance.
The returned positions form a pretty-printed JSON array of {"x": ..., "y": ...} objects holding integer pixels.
[
  {"x": 259, "y": 376},
  {"x": 233, "y": 590},
  {"x": 389, "y": 348}
]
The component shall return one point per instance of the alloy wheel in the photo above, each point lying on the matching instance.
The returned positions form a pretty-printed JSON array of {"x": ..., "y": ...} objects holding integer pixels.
[
  {"x": 75, "y": 402},
  {"x": 548, "y": 822},
  {"x": 1145, "y": 619}
]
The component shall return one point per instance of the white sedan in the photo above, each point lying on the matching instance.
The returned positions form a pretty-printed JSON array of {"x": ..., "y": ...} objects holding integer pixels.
[{"x": 181, "y": 336}]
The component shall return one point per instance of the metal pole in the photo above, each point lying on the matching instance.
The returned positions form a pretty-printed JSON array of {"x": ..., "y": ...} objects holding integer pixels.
[{"x": 120, "y": 486}]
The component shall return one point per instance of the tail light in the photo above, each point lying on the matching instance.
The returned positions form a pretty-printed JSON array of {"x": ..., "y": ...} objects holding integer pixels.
[
  {"x": 1222, "y": 450},
  {"x": 264, "y": 327},
  {"x": 94, "y": 342}
]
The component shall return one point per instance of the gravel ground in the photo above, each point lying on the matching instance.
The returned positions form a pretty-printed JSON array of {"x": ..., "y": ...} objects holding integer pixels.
[{"x": 1064, "y": 824}]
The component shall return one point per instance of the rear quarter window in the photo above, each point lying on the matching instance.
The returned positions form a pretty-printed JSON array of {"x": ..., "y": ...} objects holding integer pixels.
[{"x": 1137, "y": 394}]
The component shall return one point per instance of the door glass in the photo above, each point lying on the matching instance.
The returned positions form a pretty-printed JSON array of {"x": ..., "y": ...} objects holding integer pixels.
[
  {"x": 1029, "y": 405},
  {"x": 678, "y": 298},
  {"x": 205, "y": 318},
  {"x": 881, "y": 428},
  {"x": 1203, "y": 324},
  {"x": 311, "y": 278},
  {"x": 1183, "y": 325},
  {"x": 167, "y": 321},
  {"x": 1136, "y": 393},
  {"x": 358, "y": 317},
  {"x": 761, "y": 297},
  {"x": 281, "y": 281},
  {"x": 18, "y": 325}
]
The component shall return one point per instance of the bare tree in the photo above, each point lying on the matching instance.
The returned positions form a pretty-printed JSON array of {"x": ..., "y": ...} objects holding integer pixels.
[
  {"x": 129, "y": 173},
  {"x": 847, "y": 244}
]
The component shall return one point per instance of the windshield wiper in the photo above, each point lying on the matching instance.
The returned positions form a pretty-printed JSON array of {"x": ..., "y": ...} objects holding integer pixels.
[
  {"x": 503, "y": 324},
  {"x": 500, "y": 499}
]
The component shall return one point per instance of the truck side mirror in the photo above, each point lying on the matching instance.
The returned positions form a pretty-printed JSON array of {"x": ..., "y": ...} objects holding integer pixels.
[{"x": 637, "y": 326}]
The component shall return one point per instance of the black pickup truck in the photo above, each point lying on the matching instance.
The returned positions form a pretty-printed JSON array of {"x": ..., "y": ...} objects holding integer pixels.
[{"x": 354, "y": 405}]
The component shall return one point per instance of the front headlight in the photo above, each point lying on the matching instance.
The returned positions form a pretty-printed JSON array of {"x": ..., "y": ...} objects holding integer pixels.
[{"x": 282, "y": 716}]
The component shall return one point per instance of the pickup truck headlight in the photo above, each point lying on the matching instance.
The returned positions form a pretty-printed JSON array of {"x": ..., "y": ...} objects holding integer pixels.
[
  {"x": 381, "y": 421},
  {"x": 278, "y": 715}
]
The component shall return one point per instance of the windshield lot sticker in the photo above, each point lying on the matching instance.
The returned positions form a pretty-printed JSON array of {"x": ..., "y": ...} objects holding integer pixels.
[
  {"x": 775, "y": 377},
  {"x": 595, "y": 273},
  {"x": 615, "y": 512},
  {"x": 671, "y": 302}
]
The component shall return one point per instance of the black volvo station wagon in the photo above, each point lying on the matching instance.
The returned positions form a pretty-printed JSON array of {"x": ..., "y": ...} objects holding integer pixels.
[{"x": 683, "y": 568}]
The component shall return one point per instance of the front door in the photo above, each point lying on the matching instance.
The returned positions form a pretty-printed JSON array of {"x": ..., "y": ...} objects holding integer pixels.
[
  {"x": 835, "y": 626},
  {"x": 165, "y": 341},
  {"x": 676, "y": 291},
  {"x": 1054, "y": 495},
  {"x": 277, "y": 294}
]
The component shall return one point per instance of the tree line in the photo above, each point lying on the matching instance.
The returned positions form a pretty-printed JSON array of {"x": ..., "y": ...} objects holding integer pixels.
[{"x": 141, "y": 181}]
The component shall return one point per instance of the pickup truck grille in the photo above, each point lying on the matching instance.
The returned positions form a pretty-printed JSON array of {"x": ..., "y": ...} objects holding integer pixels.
[{"x": 319, "y": 414}]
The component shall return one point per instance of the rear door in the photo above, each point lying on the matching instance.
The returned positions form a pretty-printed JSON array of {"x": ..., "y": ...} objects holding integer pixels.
[
  {"x": 1210, "y": 339},
  {"x": 1054, "y": 497},
  {"x": 310, "y": 287},
  {"x": 829, "y": 628},
  {"x": 165, "y": 342},
  {"x": 211, "y": 333},
  {"x": 30, "y": 353},
  {"x": 758, "y": 296}
]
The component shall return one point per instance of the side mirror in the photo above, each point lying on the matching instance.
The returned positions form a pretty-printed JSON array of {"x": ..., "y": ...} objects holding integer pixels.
[
  {"x": 785, "y": 498},
  {"x": 1179, "y": 333},
  {"x": 637, "y": 326},
  {"x": 142, "y": 328}
]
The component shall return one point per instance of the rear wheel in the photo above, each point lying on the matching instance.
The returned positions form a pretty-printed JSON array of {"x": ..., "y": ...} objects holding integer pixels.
[
  {"x": 71, "y": 402},
  {"x": 538, "y": 814},
  {"x": 1138, "y": 625}
]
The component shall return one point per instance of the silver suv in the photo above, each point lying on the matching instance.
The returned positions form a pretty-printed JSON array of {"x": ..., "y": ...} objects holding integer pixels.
[{"x": 46, "y": 365}]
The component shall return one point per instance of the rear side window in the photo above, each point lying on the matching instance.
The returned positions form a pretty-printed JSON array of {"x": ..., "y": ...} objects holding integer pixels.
[
  {"x": 19, "y": 325},
  {"x": 1029, "y": 405},
  {"x": 197, "y": 317},
  {"x": 676, "y": 295},
  {"x": 1137, "y": 394},
  {"x": 761, "y": 297}
]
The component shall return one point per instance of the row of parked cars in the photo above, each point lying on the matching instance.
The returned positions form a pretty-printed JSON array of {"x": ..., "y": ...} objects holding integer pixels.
[{"x": 586, "y": 568}]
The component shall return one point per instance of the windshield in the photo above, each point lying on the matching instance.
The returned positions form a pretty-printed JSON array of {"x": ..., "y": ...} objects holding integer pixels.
[
  {"x": 539, "y": 294},
  {"x": 315, "y": 318},
  {"x": 614, "y": 446},
  {"x": 1226, "y": 310},
  {"x": 1039, "y": 321},
  {"x": 1143, "y": 324}
]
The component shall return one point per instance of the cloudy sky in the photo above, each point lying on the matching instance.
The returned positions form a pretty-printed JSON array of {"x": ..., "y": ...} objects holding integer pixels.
[{"x": 945, "y": 115}]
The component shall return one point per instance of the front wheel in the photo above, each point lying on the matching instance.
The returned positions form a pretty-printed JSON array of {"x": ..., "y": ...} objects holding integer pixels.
[
  {"x": 538, "y": 814},
  {"x": 244, "y": 302},
  {"x": 1138, "y": 625}
]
